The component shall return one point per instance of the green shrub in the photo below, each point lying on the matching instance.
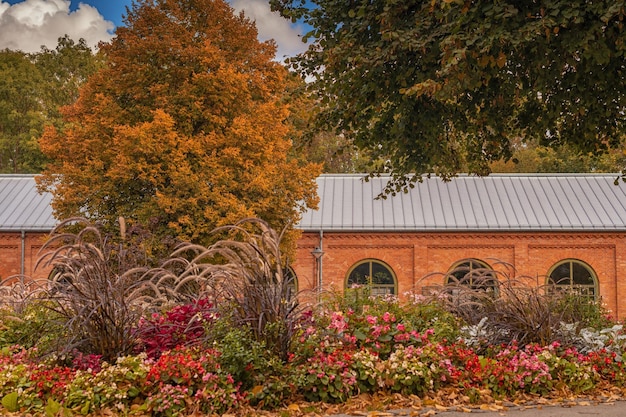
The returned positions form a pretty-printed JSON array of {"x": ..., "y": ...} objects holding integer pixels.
[
  {"x": 583, "y": 310},
  {"x": 241, "y": 355},
  {"x": 34, "y": 326},
  {"x": 425, "y": 314}
]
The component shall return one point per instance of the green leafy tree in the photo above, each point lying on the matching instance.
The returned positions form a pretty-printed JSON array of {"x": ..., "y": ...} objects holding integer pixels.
[
  {"x": 335, "y": 152},
  {"x": 32, "y": 89},
  {"x": 529, "y": 157},
  {"x": 183, "y": 130},
  {"x": 21, "y": 113},
  {"x": 443, "y": 85},
  {"x": 64, "y": 70}
]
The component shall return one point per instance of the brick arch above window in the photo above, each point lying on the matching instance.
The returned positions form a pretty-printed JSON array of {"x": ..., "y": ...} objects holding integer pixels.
[
  {"x": 574, "y": 275},
  {"x": 373, "y": 274}
]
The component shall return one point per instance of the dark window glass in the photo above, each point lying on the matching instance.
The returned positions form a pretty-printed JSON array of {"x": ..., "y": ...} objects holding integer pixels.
[
  {"x": 292, "y": 282},
  {"x": 374, "y": 275},
  {"x": 573, "y": 275},
  {"x": 474, "y": 274}
]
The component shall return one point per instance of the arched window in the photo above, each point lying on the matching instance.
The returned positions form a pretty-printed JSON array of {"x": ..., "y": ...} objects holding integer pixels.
[
  {"x": 473, "y": 273},
  {"x": 376, "y": 275},
  {"x": 574, "y": 275},
  {"x": 291, "y": 279},
  {"x": 58, "y": 274}
]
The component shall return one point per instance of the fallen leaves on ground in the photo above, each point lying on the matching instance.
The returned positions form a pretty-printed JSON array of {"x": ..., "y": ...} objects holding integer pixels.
[
  {"x": 396, "y": 405},
  {"x": 380, "y": 405}
]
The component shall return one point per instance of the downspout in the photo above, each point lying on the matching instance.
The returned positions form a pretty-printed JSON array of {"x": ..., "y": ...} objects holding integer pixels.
[
  {"x": 321, "y": 271},
  {"x": 23, "y": 254},
  {"x": 318, "y": 253}
]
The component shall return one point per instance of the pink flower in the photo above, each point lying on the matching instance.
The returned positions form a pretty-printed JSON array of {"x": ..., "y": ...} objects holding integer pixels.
[
  {"x": 402, "y": 337},
  {"x": 387, "y": 317},
  {"x": 338, "y": 322}
]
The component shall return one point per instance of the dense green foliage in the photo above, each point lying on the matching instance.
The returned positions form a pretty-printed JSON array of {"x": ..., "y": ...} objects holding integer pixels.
[
  {"x": 438, "y": 86},
  {"x": 32, "y": 89},
  {"x": 21, "y": 118},
  {"x": 529, "y": 157}
]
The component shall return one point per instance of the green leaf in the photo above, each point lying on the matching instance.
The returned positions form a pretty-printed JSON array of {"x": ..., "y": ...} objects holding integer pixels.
[
  {"x": 338, "y": 384},
  {"x": 84, "y": 410},
  {"x": 9, "y": 401},
  {"x": 52, "y": 408},
  {"x": 359, "y": 334},
  {"x": 385, "y": 338},
  {"x": 133, "y": 392}
]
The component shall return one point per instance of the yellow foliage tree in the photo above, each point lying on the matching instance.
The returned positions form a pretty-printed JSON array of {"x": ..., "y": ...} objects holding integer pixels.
[{"x": 183, "y": 131}]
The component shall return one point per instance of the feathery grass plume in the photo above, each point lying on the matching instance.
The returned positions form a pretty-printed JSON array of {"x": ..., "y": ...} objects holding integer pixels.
[
  {"x": 245, "y": 274},
  {"x": 99, "y": 287},
  {"x": 24, "y": 315},
  {"x": 19, "y": 291},
  {"x": 505, "y": 307}
]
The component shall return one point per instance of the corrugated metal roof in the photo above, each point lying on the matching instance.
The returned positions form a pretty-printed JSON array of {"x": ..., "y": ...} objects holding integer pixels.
[
  {"x": 499, "y": 202},
  {"x": 22, "y": 207}
]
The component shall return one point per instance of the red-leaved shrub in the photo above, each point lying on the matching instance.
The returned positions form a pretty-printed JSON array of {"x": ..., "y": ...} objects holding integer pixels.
[{"x": 183, "y": 325}]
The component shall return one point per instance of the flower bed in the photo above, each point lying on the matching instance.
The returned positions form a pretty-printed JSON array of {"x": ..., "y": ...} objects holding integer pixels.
[{"x": 335, "y": 357}]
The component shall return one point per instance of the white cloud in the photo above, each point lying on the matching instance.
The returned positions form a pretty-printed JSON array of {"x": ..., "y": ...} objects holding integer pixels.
[
  {"x": 272, "y": 26},
  {"x": 28, "y": 25}
]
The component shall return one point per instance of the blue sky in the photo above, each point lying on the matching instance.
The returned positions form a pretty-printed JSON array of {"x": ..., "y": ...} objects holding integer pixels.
[
  {"x": 111, "y": 9},
  {"x": 28, "y": 24}
]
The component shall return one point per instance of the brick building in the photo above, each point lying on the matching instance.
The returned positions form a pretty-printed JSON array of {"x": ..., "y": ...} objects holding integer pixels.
[
  {"x": 569, "y": 228},
  {"x": 25, "y": 222}
]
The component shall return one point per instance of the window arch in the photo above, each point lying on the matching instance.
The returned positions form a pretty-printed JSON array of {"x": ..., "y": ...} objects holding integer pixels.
[
  {"x": 374, "y": 274},
  {"x": 473, "y": 273},
  {"x": 289, "y": 275},
  {"x": 574, "y": 275}
]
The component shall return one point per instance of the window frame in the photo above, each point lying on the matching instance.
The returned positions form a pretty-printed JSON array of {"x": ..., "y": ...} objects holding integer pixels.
[
  {"x": 458, "y": 281},
  {"x": 571, "y": 285},
  {"x": 289, "y": 273},
  {"x": 370, "y": 284}
]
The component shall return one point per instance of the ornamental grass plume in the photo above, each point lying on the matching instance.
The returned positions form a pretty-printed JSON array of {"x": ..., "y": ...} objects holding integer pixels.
[
  {"x": 99, "y": 288},
  {"x": 499, "y": 306},
  {"x": 17, "y": 292},
  {"x": 246, "y": 276}
]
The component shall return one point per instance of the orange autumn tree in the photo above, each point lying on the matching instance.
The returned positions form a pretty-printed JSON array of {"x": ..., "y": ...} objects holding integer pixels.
[{"x": 183, "y": 131}]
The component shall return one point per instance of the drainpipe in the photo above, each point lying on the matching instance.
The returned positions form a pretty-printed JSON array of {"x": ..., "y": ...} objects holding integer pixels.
[
  {"x": 23, "y": 255},
  {"x": 321, "y": 280},
  {"x": 318, "y": 252}
]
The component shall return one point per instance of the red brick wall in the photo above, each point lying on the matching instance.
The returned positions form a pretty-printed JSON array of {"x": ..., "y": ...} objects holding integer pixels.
[
  {"x": 11, "y": 254},
  {"x": 418, "y": 259},
  {"x": 421, "y": 259}
]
